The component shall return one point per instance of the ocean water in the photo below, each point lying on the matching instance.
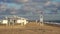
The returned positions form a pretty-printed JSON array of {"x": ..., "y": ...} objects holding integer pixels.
[{"x": 56, "y": 21}]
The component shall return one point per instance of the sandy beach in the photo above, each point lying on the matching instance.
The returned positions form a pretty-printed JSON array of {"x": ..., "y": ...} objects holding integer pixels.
[{"x": 30, "y": 28}]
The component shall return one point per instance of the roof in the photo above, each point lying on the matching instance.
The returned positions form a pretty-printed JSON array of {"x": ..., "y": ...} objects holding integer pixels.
[{"x": 14, "y": 16}]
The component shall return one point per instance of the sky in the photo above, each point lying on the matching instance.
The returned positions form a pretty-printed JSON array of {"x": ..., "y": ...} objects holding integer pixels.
[{"x": 31, "y": 8}]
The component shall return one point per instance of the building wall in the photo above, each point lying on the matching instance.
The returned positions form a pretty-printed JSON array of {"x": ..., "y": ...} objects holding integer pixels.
[
  {"x": 4, "y": 21},
  {"x": 22, "y": 21}
]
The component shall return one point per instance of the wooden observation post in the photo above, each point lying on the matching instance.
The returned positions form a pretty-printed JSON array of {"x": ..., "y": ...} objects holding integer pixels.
[{"x": 41, "y": 17}]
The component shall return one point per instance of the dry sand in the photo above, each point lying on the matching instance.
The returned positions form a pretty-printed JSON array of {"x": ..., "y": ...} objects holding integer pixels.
[{"x": 30, "y": 28}]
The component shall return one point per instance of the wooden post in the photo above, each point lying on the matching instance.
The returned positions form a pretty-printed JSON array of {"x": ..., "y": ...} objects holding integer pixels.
[{"x": 36, "y": 21}]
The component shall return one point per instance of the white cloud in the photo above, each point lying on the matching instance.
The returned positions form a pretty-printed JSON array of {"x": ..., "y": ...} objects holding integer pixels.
[
  {"x": 21, "y": 1},
  {"x": 47, "y": 3}
]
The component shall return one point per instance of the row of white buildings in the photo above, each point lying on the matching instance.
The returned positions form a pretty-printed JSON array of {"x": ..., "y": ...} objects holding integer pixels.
[{"x": 14, "y": 20}]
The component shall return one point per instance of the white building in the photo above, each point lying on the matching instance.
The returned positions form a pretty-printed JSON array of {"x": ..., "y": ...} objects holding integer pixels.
[
  {"x": 4, "y": 21},
  {"x": 15, "y": 20},
  {"x": 22, "y": 20}
]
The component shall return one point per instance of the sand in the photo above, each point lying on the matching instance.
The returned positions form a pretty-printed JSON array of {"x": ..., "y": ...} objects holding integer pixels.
[{"x": 30, "y": 28}]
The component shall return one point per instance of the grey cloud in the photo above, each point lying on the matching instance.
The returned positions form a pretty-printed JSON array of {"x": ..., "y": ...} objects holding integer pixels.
[
  {"x": 33, "y": 7},
  {"x": 5, "y": 10},
  {"x": 54, "y": 7},
  {"x": 26, "y": 1},
  {"x": 3, "y": 7},
  {"x": 15, "y": 1}
]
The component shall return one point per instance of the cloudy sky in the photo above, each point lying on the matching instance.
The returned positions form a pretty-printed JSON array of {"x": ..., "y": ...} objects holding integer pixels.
[{"x": 31, "y": 8}]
